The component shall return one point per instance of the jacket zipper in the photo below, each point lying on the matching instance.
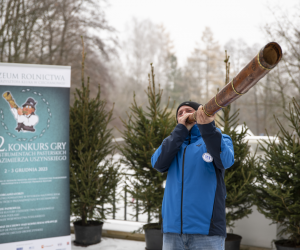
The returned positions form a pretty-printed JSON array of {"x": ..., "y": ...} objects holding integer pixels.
[
  {"x": 182, "y": 185},
  {"x": 183, "y": 178}
]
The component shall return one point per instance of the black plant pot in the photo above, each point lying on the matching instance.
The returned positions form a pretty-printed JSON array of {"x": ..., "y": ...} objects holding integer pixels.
[
  {"x": 89, "y": 234},
  {"x": 153, "y": 236},
  {"x": 286, "y": 245},
  {"x": 233, "y": 242}
]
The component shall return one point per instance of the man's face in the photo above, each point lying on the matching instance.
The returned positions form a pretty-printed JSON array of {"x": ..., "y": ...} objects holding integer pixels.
[
  {"x": 183, "y": 110},
  {"x": 28, "y": 110}
]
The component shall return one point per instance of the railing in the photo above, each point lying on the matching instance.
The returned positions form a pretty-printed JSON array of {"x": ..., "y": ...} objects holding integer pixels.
[{"x": 121, "y": 207}]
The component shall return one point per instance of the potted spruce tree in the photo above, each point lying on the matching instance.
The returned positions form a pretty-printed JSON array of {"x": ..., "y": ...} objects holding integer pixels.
[
  {"x": 278, "y": 178},
  {"x": 93, "y": 177},
  {"x": 240, "y": 177},
  {"x": 143, "y": 132}
]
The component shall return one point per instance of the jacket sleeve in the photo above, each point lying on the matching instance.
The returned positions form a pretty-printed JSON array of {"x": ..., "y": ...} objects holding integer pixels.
[
  {"x": 219, "y": 146},
  {"x": 164, "y": 155}
]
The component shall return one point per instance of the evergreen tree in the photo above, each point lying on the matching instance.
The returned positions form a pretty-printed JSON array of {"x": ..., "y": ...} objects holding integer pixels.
[
  {"x": 143, "y": 133},
  {"x": 240, "y": 176},
  {"x": 278, "y": 178},
  {"x": 93, "y": 178}
]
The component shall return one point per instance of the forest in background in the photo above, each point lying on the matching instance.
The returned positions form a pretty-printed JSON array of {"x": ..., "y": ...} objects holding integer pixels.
[{"x": 49, "y": 32}]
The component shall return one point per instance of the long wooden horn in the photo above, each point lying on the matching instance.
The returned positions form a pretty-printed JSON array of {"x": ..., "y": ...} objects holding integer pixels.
[
  {"x": 8, "y": 97},
  {"x": 267, "y": 58}
]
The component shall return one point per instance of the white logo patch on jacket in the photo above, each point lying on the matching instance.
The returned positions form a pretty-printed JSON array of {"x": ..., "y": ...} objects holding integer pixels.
[{"x": 207, "y": 157}]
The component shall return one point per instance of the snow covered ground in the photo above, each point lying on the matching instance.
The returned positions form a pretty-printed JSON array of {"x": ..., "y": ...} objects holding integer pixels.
[
  {"x": 112, "y": 244},
  {"x": 122, "y": 225}
]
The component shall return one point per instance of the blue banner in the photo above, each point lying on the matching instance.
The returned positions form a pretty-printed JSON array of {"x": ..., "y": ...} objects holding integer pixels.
[{"x": 34, "y": 152}]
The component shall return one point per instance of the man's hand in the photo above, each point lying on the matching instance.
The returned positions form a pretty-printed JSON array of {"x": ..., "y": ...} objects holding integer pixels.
[
  {"x": 182, "y": 120},
  {"x": 202, "y": 118},
  {"x": 20, "y": 111}
]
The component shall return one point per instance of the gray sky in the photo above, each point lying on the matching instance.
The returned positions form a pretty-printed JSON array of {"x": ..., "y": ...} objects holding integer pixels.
[{"x": 185, "y": 20}]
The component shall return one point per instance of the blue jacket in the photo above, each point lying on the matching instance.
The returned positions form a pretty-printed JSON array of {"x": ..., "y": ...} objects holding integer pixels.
[{"x": 195, "y": 192}]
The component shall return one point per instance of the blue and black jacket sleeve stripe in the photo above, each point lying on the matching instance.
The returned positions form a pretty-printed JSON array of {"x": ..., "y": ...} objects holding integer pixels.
[
  {"x": 219, "y": 146},
  {"x": 164, "y": 155}
]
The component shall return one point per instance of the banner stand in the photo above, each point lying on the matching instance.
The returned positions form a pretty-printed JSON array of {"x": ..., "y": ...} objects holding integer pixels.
[{"x": 34, "y": 157}]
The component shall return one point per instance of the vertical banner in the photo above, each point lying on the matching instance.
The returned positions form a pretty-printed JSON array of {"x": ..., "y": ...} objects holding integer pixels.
[{"x": 34, "y": 157}]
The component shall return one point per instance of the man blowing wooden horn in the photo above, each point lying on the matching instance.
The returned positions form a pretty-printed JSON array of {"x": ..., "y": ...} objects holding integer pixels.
[{"x": 195, "y": 156}]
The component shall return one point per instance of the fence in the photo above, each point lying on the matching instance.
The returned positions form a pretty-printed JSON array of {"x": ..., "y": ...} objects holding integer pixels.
[{"x": 122, "y": 206}]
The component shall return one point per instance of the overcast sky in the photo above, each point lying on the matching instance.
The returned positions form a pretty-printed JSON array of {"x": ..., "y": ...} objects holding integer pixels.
[{"x": 185, "y": 20}]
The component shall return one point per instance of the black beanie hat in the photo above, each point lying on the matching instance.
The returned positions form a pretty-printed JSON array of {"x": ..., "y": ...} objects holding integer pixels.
[{"x": 194, "y": 105}]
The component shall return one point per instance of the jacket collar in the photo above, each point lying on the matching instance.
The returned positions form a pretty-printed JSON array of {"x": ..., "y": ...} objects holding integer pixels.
[{"x": 194, "y": 135}]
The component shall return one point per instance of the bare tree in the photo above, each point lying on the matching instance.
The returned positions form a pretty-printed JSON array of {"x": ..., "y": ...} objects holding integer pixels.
[
  {"x": 283, "y": 82},
  {"x": 177, "y": 88},
  {"x": 145, "y": 43},
  {"x": 194, "y": 76},
  {"x": 236, "y": 50},
  {"x": 203, "y": 71},
  {"x": 286, "y": 31},
  {"x": 49, "y": 32},
  {"x": 212, "y": 62},
  {"x": 266, "y": 98},
  {"x": 19, "y": 20}
]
